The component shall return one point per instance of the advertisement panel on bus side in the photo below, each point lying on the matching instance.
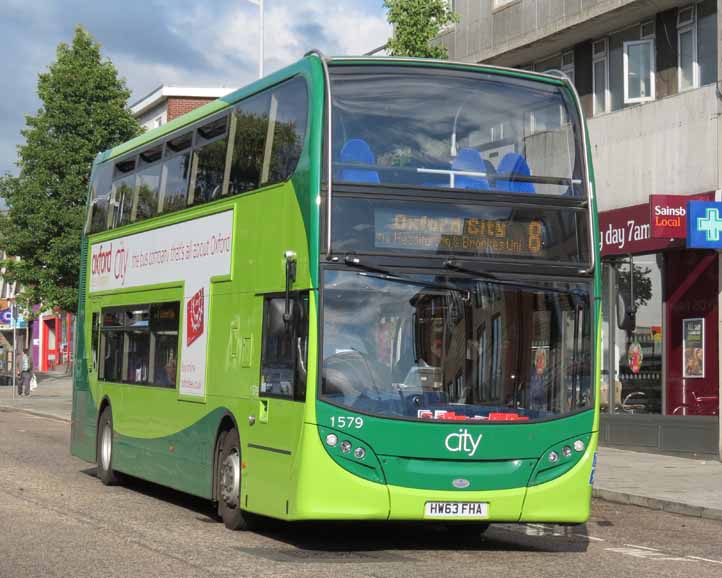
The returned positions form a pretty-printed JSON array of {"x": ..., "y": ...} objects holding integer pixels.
[{"x": 190, "y": 252}]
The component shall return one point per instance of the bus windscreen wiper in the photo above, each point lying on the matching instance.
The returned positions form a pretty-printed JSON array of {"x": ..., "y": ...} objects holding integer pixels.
[
  {"x": 389, "y": 276},
  {"x": 453, "y": 265}
]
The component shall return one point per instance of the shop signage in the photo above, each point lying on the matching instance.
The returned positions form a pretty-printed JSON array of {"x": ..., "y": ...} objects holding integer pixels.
[
  {"x": 6, "y": 320},
  {"x": 704, "y": 226},
  {"x": 635, "y": 356},
  {"x": 630, "y": 230},
  {"x": 668, "y": 216},
  {"x": 693, "y": 347},
  {"x": 627, "y": 230}
]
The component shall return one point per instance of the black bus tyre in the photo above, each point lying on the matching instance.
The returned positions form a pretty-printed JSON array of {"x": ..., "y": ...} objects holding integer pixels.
[
  {"x": 228, "y": 483},
  {"x": 104, "y": 449}
]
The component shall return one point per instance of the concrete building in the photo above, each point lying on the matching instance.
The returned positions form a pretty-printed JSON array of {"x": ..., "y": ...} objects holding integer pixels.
[
  {"x": 647, "y": 72},
  {"x": 168, "y": 102}
]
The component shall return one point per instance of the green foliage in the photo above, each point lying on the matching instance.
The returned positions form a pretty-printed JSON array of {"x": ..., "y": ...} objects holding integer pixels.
[
  {"x": 416, "y": 23},
  {"x": 642, "y": 285},
  {"x": 83, "y": 112}
]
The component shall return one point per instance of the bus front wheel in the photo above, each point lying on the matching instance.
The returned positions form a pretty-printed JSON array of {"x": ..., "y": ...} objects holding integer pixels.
[
  {"x": 228, "y": 480},
  {"x": 104, "y": 449}
]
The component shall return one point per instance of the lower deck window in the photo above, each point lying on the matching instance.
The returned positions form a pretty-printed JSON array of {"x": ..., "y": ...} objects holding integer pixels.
[{"x": 139, "y": 344}]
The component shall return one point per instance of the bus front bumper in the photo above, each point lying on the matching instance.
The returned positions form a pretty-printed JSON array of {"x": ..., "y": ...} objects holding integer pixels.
[{"x": 326, "y": 491}]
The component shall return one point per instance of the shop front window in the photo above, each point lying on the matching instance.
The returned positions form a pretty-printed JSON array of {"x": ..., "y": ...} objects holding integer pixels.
[
  {"x": 691, "y": 282},
  {"x": 634, "y": 347}
]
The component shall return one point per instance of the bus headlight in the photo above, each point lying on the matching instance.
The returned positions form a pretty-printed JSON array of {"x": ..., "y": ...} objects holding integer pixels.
[
  {"x": 579, "y": 446},
  {"x": 553, "y": 457},
  {"x": 566, "y": 451},
  {"x": 332, "y": 439},
  {"x": 345, "y": 446},
  {"x": 359, "y": 453}
]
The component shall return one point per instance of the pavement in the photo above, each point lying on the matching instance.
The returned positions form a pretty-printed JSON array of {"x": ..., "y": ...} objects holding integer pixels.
[{"x": 677, "y": 485}]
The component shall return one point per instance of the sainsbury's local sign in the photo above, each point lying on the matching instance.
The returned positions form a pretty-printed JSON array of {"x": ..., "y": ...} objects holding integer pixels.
[{"x": 648, "y": 227}]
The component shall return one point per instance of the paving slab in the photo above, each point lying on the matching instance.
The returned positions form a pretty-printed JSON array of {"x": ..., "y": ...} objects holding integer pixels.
[
  {"x": 52, "y": 398},
  {"x": 669, "y": 483}
]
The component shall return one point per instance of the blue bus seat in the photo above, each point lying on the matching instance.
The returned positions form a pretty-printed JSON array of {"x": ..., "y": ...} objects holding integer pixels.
[
  {"x": 357, "y": 150},
  {"x": 514, "y": 163},
  {"x": 470, "y": 160}
]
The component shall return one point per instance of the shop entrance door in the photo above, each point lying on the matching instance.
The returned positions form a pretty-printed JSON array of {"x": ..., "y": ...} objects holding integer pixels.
[{"x": 692, "y": 314}]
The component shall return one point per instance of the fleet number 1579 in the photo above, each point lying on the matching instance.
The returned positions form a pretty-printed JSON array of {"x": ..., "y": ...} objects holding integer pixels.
[{"x": 347, "y": 421}]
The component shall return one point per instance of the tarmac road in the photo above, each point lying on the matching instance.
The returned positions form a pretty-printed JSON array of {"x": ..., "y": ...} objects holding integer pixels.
[{"x": 57, "y": 520}]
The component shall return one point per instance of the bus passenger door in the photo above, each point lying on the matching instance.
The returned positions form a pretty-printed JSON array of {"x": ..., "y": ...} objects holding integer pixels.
[
  {"x": 92, "y": 342},
  {"x": 277, "y": 421},
  {"x": 85, "y": 385}
]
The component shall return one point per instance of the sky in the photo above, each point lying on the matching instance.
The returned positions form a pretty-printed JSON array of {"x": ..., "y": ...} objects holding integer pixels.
[{"x": 176, "y": 42}]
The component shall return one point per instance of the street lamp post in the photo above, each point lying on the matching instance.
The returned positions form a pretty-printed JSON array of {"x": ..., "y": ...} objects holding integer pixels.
[
  {"x": 259, "y": 3},
  {"x": 14, "y": 317}
]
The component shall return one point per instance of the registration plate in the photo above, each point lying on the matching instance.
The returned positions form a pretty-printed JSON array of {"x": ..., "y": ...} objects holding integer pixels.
[{"x": 456, "y": 510}]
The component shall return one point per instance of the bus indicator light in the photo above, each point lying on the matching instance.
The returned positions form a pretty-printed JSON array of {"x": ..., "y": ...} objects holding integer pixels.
[
  {"x": 566, "y": 451},
  {"x": 579, "y": 445},
  {"x": 345, "y": 446},
  {"x": 332, "y": 439}
]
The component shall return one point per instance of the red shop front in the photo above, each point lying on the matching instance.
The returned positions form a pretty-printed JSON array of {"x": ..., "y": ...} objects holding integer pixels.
[
  {"x": 55, "y": 340},
  {"x": 660, "y": 370}
]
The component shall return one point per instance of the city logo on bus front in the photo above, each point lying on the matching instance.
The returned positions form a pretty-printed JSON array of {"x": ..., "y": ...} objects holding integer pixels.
[
  {"x": 463, "y": 441},
  {"x": 194, "y": 316}
]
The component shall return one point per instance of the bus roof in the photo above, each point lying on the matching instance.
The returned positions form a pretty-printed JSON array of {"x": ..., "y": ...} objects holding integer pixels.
[{"x": 293, "y": 69}]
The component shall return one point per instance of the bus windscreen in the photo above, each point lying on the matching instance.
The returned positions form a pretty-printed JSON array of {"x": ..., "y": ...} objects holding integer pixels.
[{"x": 471, "y": 131}]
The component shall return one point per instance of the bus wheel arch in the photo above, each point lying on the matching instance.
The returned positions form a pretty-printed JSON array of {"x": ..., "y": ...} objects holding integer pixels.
[
  {"x": 227, "y": 475},
  {"x": 104, "y": 404},
  {"x": 104, "y": 447}
]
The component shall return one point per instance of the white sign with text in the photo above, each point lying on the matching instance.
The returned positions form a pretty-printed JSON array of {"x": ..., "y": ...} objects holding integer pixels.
[{"x": 191, "y": 252}]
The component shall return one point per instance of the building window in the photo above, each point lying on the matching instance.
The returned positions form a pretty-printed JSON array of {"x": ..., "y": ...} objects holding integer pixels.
[
  {"x": 687, "y": 61},
  {"x": 568, "y": 64},
  {"x": 638, "y": 71},
  {"x": 647, "y": 30},
  {"x": 600, "y": 76},
  {"x": 706, "y": 29},
  {"x": 502, "y": 3}
]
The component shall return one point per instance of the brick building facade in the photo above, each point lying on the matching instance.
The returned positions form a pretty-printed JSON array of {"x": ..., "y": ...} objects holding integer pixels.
[{"x": 168, "y": 102}]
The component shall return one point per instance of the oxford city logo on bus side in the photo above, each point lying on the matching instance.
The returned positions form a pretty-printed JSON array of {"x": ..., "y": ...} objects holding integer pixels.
[{"x": 463, "y": 441}]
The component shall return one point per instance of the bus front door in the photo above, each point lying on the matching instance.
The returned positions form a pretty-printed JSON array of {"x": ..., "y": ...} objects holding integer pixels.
[{"x": 278, "y": 418}]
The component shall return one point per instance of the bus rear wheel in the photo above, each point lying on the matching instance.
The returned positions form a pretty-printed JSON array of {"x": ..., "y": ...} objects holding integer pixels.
[
  {"x": 228, "y": 483},
  {"x": 104, "y": 449}
]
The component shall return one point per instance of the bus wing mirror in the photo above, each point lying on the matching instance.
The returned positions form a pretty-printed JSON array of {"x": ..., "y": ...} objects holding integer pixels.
[
  {"x": 626, "y": 314},
  {"x": 290, "y": 258}
]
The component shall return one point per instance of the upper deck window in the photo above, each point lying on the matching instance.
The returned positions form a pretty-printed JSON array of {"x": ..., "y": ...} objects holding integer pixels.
[{"x": 443, "y": 129}]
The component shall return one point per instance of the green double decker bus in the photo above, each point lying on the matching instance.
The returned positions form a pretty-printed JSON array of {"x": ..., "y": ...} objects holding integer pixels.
[{"x": 356, "y": 289}]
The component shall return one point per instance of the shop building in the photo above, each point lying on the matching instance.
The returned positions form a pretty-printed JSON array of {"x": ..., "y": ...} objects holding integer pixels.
[
  {"x": 168, "y": 102},
  {"x": 646, "y": 72}
]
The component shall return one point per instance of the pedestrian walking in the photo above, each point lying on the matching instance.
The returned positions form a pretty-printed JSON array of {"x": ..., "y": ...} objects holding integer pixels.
[{"x": 25, "y": 373}]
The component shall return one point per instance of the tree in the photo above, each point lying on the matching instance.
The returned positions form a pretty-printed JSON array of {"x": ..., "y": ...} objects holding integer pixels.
[
  {"x": 416, "y": 23},
  {"x": 83, "y": 112}
]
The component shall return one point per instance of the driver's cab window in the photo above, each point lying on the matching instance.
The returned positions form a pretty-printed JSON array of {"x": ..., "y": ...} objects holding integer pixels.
[{"x": 284, "y": 353}]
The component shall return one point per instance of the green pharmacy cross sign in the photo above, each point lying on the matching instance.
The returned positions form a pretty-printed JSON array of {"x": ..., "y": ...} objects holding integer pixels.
[
  {"x": 704, "y": 225},
  {"x": 711, "y": 224}
]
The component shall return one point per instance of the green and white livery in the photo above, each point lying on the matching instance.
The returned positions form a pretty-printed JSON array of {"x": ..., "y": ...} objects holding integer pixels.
[{"x": 357, "y": 289}]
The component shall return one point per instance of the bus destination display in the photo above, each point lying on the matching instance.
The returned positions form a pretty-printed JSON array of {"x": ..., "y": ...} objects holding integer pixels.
[{"x": 426, "y": 231}]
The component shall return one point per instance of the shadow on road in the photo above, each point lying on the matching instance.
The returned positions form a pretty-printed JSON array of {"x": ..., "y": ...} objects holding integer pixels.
[{"x": 375, "y": 541}]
